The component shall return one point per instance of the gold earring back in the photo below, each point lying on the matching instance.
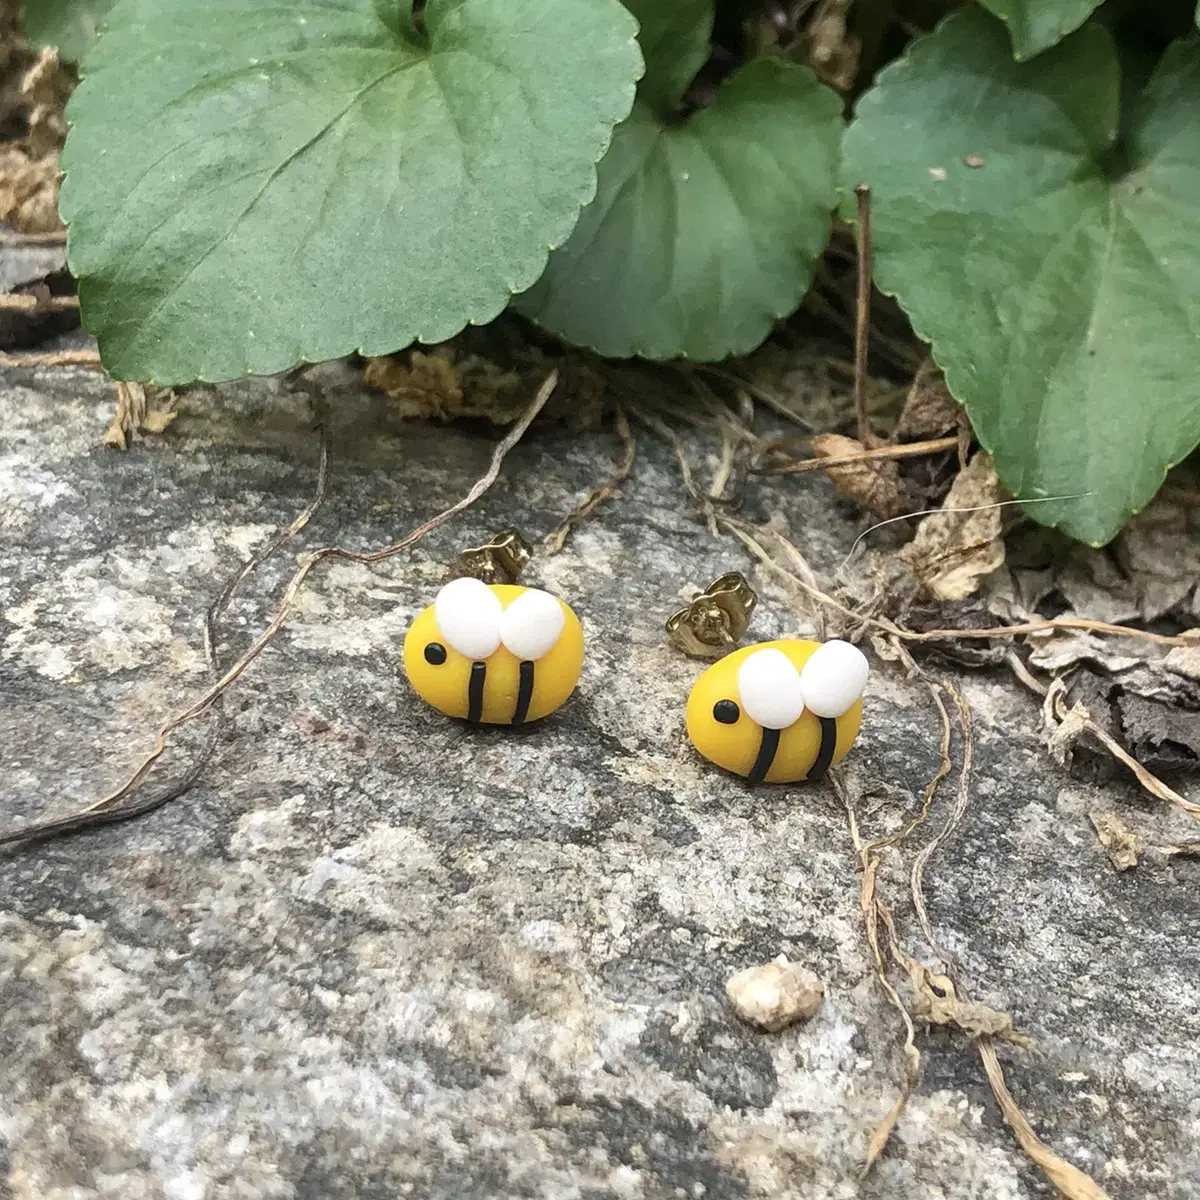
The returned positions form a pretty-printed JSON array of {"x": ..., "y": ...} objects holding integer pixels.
[
  {"x": 499, "y": 560},
  {"x": 715, "y": 621}
]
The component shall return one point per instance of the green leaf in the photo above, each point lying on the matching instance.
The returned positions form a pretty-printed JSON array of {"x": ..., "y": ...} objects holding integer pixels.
[
  {"x": 68, "y": 24},
  {"x": 702, "y": 234},
  {"x": 251, "y": 185},
  {"x": 1061, "y": 293},
  {"x": 674, "y": 36},
  {"x": 1036, "y": 25}
]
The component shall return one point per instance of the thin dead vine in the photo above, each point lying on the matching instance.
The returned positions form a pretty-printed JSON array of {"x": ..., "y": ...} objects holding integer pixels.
[
  {"x": 105, "y": 807},
  {"x": 556, "y": 539}
]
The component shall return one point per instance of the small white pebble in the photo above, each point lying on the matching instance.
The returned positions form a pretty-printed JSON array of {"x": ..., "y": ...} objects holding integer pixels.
[{"x": 775, "y": 995}]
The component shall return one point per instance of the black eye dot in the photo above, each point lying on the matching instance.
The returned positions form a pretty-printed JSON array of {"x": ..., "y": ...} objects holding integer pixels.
[
  {"x": 435, "y": 654},
  {"x": 726, "y": 712}
]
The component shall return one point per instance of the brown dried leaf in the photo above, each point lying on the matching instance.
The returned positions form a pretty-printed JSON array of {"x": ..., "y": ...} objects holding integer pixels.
[
  {"x": 876, "y": 485},
  {"x": 929, "y": 410},
  {"x": 1122, "y": 845},
  {"x": 157, "y": 420},
  {"x": 953, "y": 551}
]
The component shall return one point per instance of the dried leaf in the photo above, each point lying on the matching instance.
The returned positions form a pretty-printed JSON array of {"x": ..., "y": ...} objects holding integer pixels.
[
  {"x": 1063, "y": 729},
  {"x": 1123, "y": 846},
  {"x": 1077, "y": 720},
  {"x": 29, "y": 165},
  {"x": 875, "y": 484},
  {"x": 954, "y": 550},
  {"x": 1159, "y": 551},
  {"x": 929, "y": 410},
  {"x": 1184, "y": 661},
  {"x": 1162, "y": 736}
]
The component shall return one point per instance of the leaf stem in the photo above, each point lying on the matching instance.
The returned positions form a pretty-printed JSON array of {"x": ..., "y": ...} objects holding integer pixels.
[{"x": 862, "y": 322}]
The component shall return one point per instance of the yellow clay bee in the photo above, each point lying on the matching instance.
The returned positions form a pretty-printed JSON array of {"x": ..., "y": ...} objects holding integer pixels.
[
  {"x": 779, "y": 711},
  {"x": 496, "y": 654}
]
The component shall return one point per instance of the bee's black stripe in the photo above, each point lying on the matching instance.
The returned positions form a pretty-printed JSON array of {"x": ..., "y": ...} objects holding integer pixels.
[
  {"x": 829, "y": 732},
  {"x": 475, "y": 691},
  {"x": 766, "y": 755},
  {"x": 524, "y": 693}
]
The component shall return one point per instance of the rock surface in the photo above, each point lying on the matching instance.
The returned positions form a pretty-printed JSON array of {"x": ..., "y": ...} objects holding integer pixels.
[{"x": 375, "y": 953}]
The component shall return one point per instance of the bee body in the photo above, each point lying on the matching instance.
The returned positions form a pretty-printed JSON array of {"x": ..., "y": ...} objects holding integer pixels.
[
  {"x": 494, "y": 654},
  {"x": 779, "y": 712}
]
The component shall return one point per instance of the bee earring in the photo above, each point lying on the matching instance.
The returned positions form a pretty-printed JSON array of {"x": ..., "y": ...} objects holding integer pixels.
[
  {"x": 490, "y": 651},
  {"x": 778, "y": 711}
]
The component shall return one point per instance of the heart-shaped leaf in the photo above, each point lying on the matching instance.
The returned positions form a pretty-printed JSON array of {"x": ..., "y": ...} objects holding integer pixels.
[
  {"x": 252, "y": 185},
  {"x": 1036, "y": 25},
  {"x": 1056, "y": 273},
  {"x": 703, "y": 232},
  {"x": 68, "y": 24},
  {"x": 673, "y": 35}
]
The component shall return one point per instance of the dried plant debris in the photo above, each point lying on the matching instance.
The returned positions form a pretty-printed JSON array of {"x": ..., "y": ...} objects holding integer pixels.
[
  {"x": 1142, "y": 693},
  {"x": 775, "y": 995},
  {"x": 958, "y": 547},
  {"x": 444, "y": 384},
  {"x": 876, "y": 485},
  {"x": 929, "y": 410},
  {"x": 935, "y": 1000},
  {"x": 33, "y": 94},
  {"x": 1122, "y": 845},
  {"x": 135, "y": 415},
  {"x": 456, "y": 381},
  {"x": 36, "y": 299},
  {"x": 830, "y": 48}
]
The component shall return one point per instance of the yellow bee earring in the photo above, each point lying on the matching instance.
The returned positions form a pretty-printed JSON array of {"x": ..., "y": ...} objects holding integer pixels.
[
  {"x": 490, "y": 651},
  {"x": 778, "y": 712}
]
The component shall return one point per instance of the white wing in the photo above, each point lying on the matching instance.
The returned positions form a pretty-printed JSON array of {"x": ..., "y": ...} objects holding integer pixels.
[
  {"x": 833, "y": 678},
  {"x": 532, "y": 624},
  {"x": 468, "y": 614},
  {"x": 769, "y": 689}
]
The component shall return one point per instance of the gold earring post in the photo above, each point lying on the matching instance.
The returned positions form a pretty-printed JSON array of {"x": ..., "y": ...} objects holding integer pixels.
[{"x": 715, "y": 621}]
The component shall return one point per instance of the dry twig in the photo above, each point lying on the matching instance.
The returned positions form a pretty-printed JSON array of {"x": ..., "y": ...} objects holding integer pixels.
[
  {"x": 27, "y": 303},
  {"x": 557, "y": 538},
  {"x": 907, "y": 450},
  {"x": 862, "y": 323},
  {"x": 54, "y": 358}
]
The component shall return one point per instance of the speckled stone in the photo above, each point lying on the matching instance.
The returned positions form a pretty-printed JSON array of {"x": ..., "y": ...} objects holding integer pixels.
[{"x": 376, "y": 953}]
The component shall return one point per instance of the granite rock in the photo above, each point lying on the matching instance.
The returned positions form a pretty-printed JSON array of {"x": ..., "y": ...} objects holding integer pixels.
[{"x": 375, "y": 953}]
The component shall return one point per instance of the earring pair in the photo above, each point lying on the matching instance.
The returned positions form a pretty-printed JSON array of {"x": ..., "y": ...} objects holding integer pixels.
[{"x": 493, "y": 652}]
